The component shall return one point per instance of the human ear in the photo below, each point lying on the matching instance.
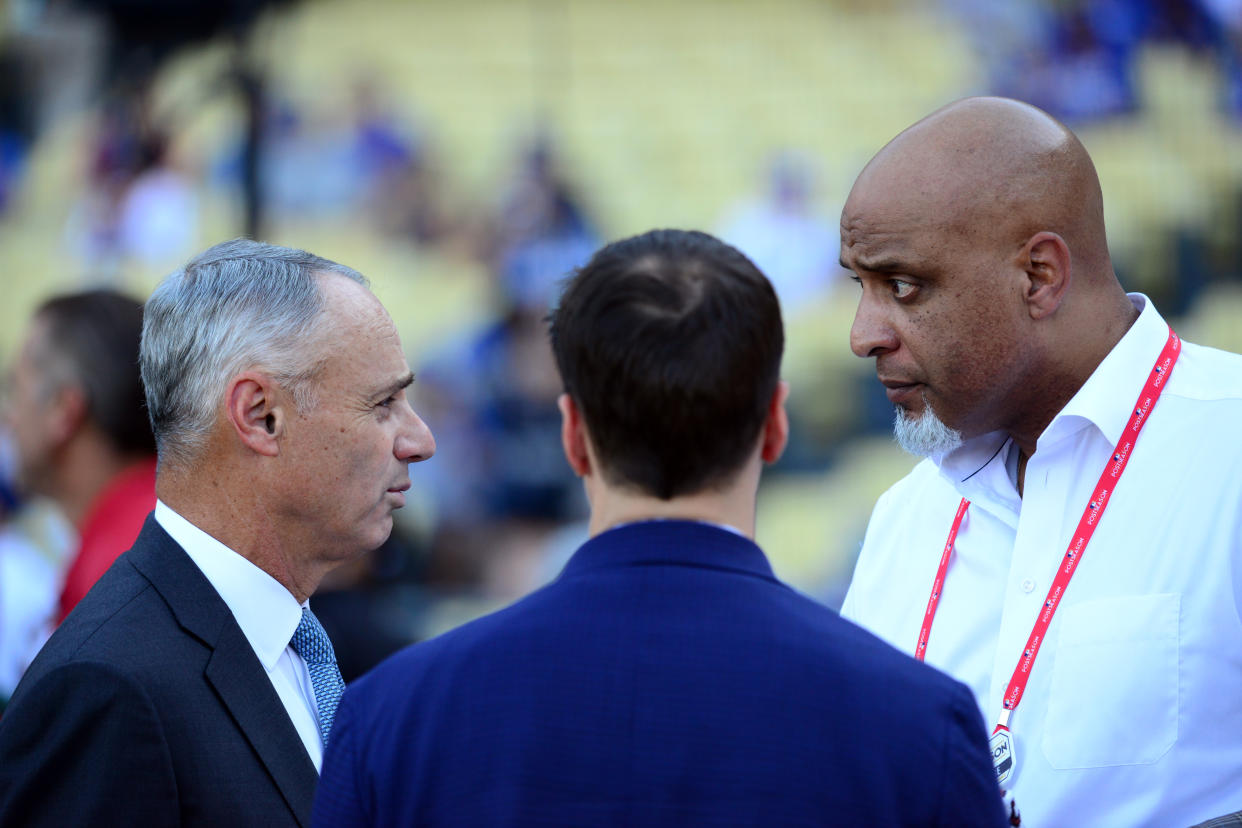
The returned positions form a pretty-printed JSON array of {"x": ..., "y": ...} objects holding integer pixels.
[
  {"x": 573, "y": 436},
  {"x": 776, "y": 426},
  {"x": 1047, "y": 263},
  {"x": 253, "y": 412},
  {"x": 67, "y": 413}
]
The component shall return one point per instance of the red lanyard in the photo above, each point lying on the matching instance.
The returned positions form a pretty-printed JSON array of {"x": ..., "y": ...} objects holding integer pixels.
[
  {"x": 1082, "y": 535},
  {"x": 920, "y": 652}
]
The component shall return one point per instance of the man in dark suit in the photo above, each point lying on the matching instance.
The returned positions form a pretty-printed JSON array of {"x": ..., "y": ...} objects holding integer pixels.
[
  {"x": 192, "y": 685},
  {"x": 666, "y": 678}
]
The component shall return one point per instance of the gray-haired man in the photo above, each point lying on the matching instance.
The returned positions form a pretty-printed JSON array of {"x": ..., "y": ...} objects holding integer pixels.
[{"x": 192, "y": 686}]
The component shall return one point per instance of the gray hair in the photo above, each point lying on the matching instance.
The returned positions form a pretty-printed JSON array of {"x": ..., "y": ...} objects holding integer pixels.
[{"x": 240, "y": 304}]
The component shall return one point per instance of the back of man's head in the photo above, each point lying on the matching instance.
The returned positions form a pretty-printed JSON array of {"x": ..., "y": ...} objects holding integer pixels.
[
  {"x": 670, "y": 344},
  {"x": 238, "y": 305},
  {"x": 90, "y": 340}
]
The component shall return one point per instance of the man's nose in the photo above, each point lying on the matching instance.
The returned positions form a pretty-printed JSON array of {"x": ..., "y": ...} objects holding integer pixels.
[
  {"x": 872, "y": 333},
  {"x": 415, "y": 442}
]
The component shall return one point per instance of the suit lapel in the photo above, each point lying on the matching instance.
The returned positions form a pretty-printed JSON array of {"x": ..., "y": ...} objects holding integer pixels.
[{"x": 232, "y": 669}]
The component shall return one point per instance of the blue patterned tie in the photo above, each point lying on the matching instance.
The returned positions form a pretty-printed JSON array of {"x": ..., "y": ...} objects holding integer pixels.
[{"x": 312, "y": 644}]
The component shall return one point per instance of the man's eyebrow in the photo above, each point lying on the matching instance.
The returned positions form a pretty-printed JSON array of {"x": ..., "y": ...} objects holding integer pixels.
[
  {"x": 405, "y": 382},
  {"x": 881, "y": 265}
]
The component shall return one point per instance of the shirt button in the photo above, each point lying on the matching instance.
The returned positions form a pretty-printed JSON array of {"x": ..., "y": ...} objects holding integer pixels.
[{"x": 1028, "y": 585}]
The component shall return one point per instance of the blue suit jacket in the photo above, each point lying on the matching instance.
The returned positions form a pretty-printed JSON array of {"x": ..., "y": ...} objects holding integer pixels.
[{"x": 665, "y": 679}]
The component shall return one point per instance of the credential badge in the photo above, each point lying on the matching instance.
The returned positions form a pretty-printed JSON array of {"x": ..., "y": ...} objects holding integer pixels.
[{"x": 1001, "y": 744}]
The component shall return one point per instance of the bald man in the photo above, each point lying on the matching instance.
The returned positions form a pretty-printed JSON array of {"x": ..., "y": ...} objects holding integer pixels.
[{"x": 1070, "y": 546}]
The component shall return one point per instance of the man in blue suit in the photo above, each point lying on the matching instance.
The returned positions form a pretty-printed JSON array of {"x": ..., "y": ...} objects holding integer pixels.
[{"x": 666, "y": 678}]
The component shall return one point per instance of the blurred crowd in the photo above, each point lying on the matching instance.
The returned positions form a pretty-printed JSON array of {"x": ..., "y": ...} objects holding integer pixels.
[
  {"x": 507, "y": 510},
  {"x": 503, "y": 509},
  {"x": 1079, "y": 59}
]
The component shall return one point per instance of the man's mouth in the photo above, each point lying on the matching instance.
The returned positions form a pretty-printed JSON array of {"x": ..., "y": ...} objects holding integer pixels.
[
  {"x": 902, "y": 392},
  {"x": 398, "y": 492}
]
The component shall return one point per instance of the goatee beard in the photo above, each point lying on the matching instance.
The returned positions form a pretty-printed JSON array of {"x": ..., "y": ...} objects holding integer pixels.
[{"x": 926, "y": 435}]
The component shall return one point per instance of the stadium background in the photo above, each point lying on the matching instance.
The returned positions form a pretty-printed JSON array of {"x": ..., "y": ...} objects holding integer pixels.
[{"x": 652, "y": 114}]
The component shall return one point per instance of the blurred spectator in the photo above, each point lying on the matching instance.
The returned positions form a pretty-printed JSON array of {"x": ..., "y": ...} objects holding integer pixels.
[
  {"x": 493, "y": 395},
  {"x": 399, "y": 178},
  {"x": 79, "y": 422},
  {"x": 408, "y": 202},
  {"x": 540, "y": 230},
  {"x": 795, "y": 245},
  {"x": 138, "y": 206},
  {"x": 1077, "y": 59},
  {"x": 501, "y": 489},
  {"x": 32, "y": 546},
  {"x": 12, "y": 153},
  {"x": 332, "y": 160},
  {"x": 158, "y": 221},
  {"x": 1226, "y": 16},
  {"x": 28, "y": 584},
  {"x": 309, "y": 163},
  {"x": 382, "y": 144},
  {"x": 17, "y": 128}
]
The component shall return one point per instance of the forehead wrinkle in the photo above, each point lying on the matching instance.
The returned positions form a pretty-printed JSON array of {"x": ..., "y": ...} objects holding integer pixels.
[{"x": 881, "y": 231}]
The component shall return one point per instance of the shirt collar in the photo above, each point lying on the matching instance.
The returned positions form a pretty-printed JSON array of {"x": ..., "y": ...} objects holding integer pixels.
[
  {"x": 1100, "y": 402},
  {"x": 267, "y": 613},
  {"x": 1116, "y": 383},
  {"x": 670, "y": 542}
]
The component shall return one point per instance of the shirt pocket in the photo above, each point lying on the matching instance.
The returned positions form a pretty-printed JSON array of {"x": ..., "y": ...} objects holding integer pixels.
[{"x": 1114, "y": 695}]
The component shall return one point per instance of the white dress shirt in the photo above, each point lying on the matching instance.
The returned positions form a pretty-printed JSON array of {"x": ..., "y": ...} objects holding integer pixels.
[
  {"x": 267, "y": 614},
  {"x": 1133, "y": 711}
]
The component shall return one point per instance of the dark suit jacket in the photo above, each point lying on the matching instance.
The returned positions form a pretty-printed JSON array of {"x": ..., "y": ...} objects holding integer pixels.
[
  {"x": 148, "y": 707},
  {"x": 665, "y": 679}
]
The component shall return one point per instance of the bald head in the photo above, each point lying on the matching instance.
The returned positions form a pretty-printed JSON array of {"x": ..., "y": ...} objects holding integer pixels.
[
  {"x": 987, "y": 296},
  {"x": 993, "y": 169}
]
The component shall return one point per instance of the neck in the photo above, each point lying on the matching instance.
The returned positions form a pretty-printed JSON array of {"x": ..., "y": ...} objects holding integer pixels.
[
  {"x": 733, "y": 505},
  {"x": 1080, "y": 357},
  {"x": 88, "y": 466},
  {"x": 244, "y": 524}
]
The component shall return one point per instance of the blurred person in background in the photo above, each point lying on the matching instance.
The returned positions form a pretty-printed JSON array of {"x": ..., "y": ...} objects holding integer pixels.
[
  {"x": 785, "y": 235},
  {"x": 333, "y": 158},
  {"x": 193, "y": 686},
  {"x": 34, "y": 543},
  {"x": 1082, "y": 60},
  {"x": 1010, "y": 352},
  {"x": 508, "y": 492},
  {"x": 540, "y": 221},
  {"x": 397, "y": 169},
  {"x": 80, "y": 427},
  {"x": 158, "y": 220},
  {"x": 667, "y": 677},
  {"x": 138, "y": 207}
]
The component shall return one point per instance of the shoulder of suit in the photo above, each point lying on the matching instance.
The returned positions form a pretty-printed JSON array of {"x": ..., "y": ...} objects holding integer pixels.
[{"x": 120, "y": 621}]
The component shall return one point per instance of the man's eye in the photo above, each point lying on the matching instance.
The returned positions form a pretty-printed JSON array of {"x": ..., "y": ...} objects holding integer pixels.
[{"x": 901, "y": 288}]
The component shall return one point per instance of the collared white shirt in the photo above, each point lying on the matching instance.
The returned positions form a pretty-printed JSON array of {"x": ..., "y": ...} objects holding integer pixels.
[
  {"x": 1133, "y": 711},
  {"x": 267, "y": 613}
]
